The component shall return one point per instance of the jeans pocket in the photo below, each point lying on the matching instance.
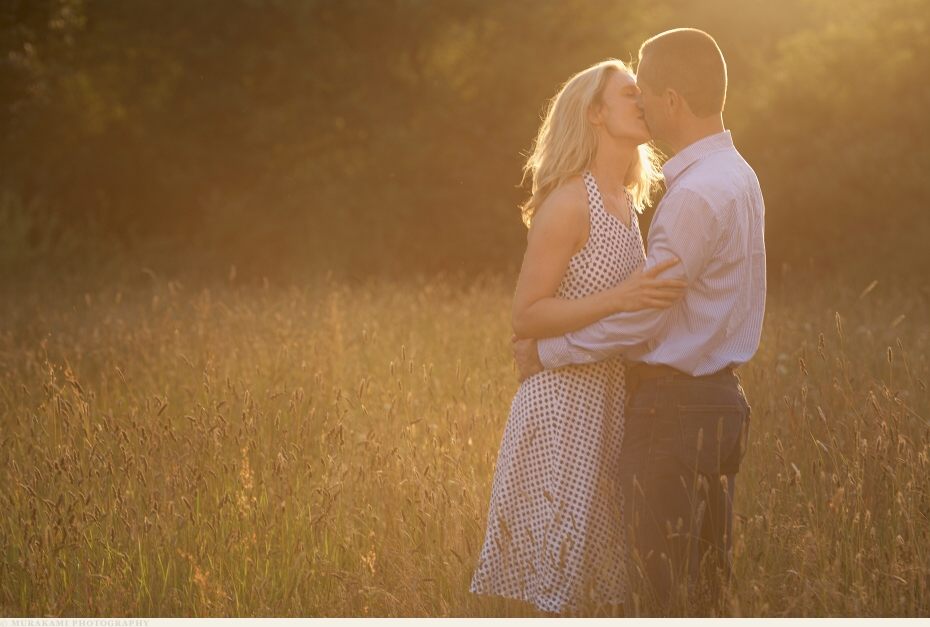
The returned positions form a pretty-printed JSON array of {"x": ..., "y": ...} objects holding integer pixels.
[
  {"x": 650, "y": 440},
  {"x": 711, "y": 439}
]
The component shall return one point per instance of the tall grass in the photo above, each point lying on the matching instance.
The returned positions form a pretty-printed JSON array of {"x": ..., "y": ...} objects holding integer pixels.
[{"x": 328, "y": 451}]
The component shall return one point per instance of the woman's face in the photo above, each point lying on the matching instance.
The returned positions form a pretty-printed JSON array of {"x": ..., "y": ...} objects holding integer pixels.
[{"x": 620, "y": 113}]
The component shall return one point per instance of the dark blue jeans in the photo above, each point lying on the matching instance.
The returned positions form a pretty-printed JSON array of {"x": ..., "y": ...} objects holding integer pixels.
[{"x": 683, "y": 443}]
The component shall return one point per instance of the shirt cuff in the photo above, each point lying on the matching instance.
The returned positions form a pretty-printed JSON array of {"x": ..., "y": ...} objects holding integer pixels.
[{"x": 554, "y": 352}]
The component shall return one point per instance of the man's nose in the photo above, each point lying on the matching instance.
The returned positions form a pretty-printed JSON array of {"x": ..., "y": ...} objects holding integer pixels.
[{"x": 639, "y": 101}]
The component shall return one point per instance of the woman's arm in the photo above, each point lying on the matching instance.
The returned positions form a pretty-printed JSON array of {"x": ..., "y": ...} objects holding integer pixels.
[
  {"x": 559, "y": 230},
  {"x": 551, "y": 316}
]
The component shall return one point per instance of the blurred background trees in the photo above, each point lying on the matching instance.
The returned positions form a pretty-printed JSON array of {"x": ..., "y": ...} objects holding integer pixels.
[{"x": 289, "y": 137}]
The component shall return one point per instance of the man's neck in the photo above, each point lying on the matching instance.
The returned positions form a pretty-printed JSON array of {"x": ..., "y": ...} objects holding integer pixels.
[{"x": 695, "y": 131}]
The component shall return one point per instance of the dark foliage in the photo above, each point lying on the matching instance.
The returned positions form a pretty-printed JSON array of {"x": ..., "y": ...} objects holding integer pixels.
[{"x": 387, "y": 135}]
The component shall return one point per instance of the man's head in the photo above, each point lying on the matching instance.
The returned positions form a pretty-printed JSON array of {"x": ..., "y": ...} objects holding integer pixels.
[{"x": 683, "y": 78}]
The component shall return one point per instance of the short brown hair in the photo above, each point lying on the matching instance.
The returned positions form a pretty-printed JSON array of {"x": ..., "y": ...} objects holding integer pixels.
[{"x": 688, "y": 61}]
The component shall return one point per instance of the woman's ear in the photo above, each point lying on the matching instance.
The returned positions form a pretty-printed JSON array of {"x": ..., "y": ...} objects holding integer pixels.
[{"x": 595, "y": 113}]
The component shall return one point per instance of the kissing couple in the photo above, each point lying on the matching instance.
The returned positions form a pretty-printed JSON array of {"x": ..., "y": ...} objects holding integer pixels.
[{"x": 614, "y": 485}]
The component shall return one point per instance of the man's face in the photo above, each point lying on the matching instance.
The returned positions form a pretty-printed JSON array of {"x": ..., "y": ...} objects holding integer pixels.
[{"x": 652, "y": 103}]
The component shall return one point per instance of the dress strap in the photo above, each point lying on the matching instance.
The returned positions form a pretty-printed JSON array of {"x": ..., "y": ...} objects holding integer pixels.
[
  {"x": 598, "y": 210},
  {"x": 594, "y": 194}
]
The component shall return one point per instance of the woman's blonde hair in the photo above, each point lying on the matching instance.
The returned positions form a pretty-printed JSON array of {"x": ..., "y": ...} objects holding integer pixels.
[{"x": 566, "y": 143}]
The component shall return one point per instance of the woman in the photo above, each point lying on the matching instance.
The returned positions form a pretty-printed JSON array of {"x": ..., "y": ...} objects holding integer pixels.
[{"x": 555, "y": 529}]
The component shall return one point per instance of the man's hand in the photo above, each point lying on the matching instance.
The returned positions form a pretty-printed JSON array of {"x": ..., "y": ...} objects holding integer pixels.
[{"x": 526, "y": 357}]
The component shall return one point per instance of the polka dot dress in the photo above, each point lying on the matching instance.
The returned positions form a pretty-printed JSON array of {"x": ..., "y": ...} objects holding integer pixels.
[{"x": 555, "y": 535}]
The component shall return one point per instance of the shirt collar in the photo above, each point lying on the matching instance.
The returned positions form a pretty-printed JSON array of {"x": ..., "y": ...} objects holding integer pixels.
[{"x": 695, "y": 152}]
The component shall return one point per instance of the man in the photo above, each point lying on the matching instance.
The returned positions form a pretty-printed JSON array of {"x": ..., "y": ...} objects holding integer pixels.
[{"x": 687, "y": 417}]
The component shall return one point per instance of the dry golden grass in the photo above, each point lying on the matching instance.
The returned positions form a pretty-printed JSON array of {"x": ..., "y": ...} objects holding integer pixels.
[{"x": 328, "y": 451}]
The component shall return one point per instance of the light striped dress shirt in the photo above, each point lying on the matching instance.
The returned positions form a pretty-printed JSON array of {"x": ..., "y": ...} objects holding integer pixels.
[{"x": 712, "y": 218}]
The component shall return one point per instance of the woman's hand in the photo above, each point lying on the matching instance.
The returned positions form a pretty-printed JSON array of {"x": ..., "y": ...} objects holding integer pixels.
[{"x": 643, "y": 290}]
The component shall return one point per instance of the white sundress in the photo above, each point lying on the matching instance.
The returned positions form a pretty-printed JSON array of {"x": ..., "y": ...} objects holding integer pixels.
[{"x": 555, "y": 534}]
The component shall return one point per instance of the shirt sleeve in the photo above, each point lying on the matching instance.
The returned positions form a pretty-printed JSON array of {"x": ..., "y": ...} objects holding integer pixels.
[{"x": 685, "y": 226}]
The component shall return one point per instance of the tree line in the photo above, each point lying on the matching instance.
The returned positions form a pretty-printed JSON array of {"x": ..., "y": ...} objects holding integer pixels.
[{"x": 367, "y": 136}]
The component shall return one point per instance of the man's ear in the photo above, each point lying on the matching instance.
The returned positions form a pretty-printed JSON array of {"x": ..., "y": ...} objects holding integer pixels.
[{"x": 673, "y": 101}]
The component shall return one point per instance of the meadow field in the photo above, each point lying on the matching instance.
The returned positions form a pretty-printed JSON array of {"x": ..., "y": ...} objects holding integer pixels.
[{"x": 328, "y": 449}]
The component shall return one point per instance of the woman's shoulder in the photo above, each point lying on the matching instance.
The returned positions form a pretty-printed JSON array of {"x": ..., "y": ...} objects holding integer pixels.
[
  {"x": 567, "y": 203},
  {"x": 563, "y": 216}
]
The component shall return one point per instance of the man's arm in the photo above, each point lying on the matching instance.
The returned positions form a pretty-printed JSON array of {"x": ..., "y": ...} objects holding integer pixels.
[{"x": 685, "y": 227}]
